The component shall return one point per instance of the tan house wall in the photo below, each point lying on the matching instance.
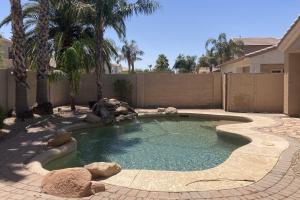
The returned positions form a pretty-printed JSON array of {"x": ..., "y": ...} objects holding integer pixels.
[
  {"x": 271, "y": 68},
  {"x": 274, "y": 57},
  {"x": 292, "y": 84},
  {"x": 255, "y": 93}
]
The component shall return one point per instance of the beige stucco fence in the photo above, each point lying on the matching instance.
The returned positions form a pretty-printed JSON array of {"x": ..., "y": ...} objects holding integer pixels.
[
  {"x": 149, "y": 90},
  {"x": 237, "y": 92},
  {"x": 253, "y": 92}
]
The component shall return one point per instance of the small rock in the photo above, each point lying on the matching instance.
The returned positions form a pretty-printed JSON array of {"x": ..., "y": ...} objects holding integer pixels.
[
  {"x": 97, "y": 187},
  {"x": 72, "y": 182},
  {"x": 171, "y": 110},
  {"x": 92, "y": 118},
  {"x": 124, "y": 104},
  {"x": 113, "y": 102},
  {"x": 102, "y": 169},
  {"x": 161, "y": 110},
  {"x": 121, "y": 110},
  {"x": 61, "y": 137}
]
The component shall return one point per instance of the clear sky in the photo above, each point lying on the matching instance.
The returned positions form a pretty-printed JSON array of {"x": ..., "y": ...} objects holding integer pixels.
[{"x": 183, "y": 26}]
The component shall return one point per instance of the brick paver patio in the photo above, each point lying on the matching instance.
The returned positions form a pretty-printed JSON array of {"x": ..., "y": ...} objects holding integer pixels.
[{"x": 283, "y": 182}]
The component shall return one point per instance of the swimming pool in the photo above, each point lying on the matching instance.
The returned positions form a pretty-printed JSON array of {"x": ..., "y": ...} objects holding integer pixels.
[{"x": 172, "y": 143}]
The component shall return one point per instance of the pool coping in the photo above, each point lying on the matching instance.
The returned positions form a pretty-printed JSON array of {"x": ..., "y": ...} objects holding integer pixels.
[{"x": 245, "y": 166}]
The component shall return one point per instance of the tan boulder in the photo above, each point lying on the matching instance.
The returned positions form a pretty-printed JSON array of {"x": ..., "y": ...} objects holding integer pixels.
[
  {"x": 102, "y": 169},
  {"x": 72, "y": 182},
  {"x": 61, "y": 137},
  {"x": 122, "y": 110},
  {"x": 97, "y": 187},
  {"x": 171, "y": 110},
  {"x": 92, "y": 118}
]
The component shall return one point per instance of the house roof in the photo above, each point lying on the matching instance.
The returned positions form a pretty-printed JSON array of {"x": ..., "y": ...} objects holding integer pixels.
[
  {"x": 289, "y": 30},
  {"x": 258, "y": 41},
  {"x": 249, "y": 55}
]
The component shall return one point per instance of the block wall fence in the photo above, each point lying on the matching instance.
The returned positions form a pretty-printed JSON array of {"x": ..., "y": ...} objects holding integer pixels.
[{"x": 235, "y": 92}]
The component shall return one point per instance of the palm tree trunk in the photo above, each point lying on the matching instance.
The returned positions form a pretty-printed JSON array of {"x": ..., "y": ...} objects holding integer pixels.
[
  {"x": 129, "y": 67},
  {"x": 99, "y": 57},
  {"x": 72, "y": 99},
  {"x": 132, "y": 67},
  {"x": 43, "y": 59},
  {"x": 19, "y": 61}
]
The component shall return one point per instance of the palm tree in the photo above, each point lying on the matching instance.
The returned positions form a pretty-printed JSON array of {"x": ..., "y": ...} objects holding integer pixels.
[
  {"x": 43, "y": 59},
  {"x": 223, "y": 49},
  {"x": 207, "y": 61},
  {"x": 66, "y": 26},
  {"x": 162, "y": 64},
  {"x": 71, "y": 65},
  {"x": 112, "y": 13},
  {"x": 19, "y": 61},
  {"x": 131, "y": 52}
]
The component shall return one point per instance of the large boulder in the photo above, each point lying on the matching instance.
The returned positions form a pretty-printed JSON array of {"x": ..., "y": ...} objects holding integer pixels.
[
  {"x": 61, "y": 137},
  {"x": 171, "y": 110},
  {"x": 121, "y": 110},
  {"x": 72, "y": 182},
  {"x": 102, "y": 169},
  {"x": 92, "y": 118}
]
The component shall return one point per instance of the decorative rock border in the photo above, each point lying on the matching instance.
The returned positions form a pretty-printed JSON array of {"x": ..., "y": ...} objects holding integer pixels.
[{"x": 261, "y": 154}]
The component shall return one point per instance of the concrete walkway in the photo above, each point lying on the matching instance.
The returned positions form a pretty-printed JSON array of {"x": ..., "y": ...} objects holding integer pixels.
[{"x": 24, "y": 142}]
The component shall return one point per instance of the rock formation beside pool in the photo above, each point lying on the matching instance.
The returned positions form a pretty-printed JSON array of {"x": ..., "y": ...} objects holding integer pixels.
[
  {"x": 112, "y": 110},
  {"x": 102, "y": 169},
  {"x": 61, "y": 137}
]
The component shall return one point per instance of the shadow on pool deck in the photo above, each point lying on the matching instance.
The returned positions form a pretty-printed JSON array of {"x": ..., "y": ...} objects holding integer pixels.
[{"x": 24, "y": 140}]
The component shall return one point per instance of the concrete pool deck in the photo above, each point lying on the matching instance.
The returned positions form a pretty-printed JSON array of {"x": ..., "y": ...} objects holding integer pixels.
[{"x": 252, "y": 171}]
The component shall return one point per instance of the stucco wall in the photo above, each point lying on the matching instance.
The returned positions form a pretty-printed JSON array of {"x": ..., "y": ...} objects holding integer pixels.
[
  {"x": 275, "y": 57},
  {"x": 254, "y": 93},
  {"x": 292, "y": 84},
  {"x": 180, "y": 90},
  {"x": 271, "y": 57}
]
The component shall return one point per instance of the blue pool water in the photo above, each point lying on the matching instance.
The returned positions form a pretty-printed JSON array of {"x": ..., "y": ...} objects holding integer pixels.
[{"x": 161, "y": 143}]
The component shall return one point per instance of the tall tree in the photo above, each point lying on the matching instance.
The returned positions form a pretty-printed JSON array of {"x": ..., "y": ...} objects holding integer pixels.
[
  {"x": 112, "y": 13},
  {"x": 43, "y": 59},
  {"x": 162, "y": 64},
  {"x": 224, "y": 49},
  {"x": 19, "y": 61},
  {"x": 185, "y": 64},
  {"x": 131, "y": 52},
  {"x": 207, "y": 61}
]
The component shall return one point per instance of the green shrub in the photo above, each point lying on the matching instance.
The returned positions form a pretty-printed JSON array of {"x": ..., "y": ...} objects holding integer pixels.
[
  {"x": 2, "y": 117},
  {"x": 123, "y": 89}
]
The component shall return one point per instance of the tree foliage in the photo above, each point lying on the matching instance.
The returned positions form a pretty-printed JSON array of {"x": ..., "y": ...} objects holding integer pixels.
[
  {"x": 131, "y": 53},
  {"x": 162, "y": 64},
  {"x": 220, "y": 50},
  {"x": 223, "y": 49},
  {"x": 185, "y": 64}
]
